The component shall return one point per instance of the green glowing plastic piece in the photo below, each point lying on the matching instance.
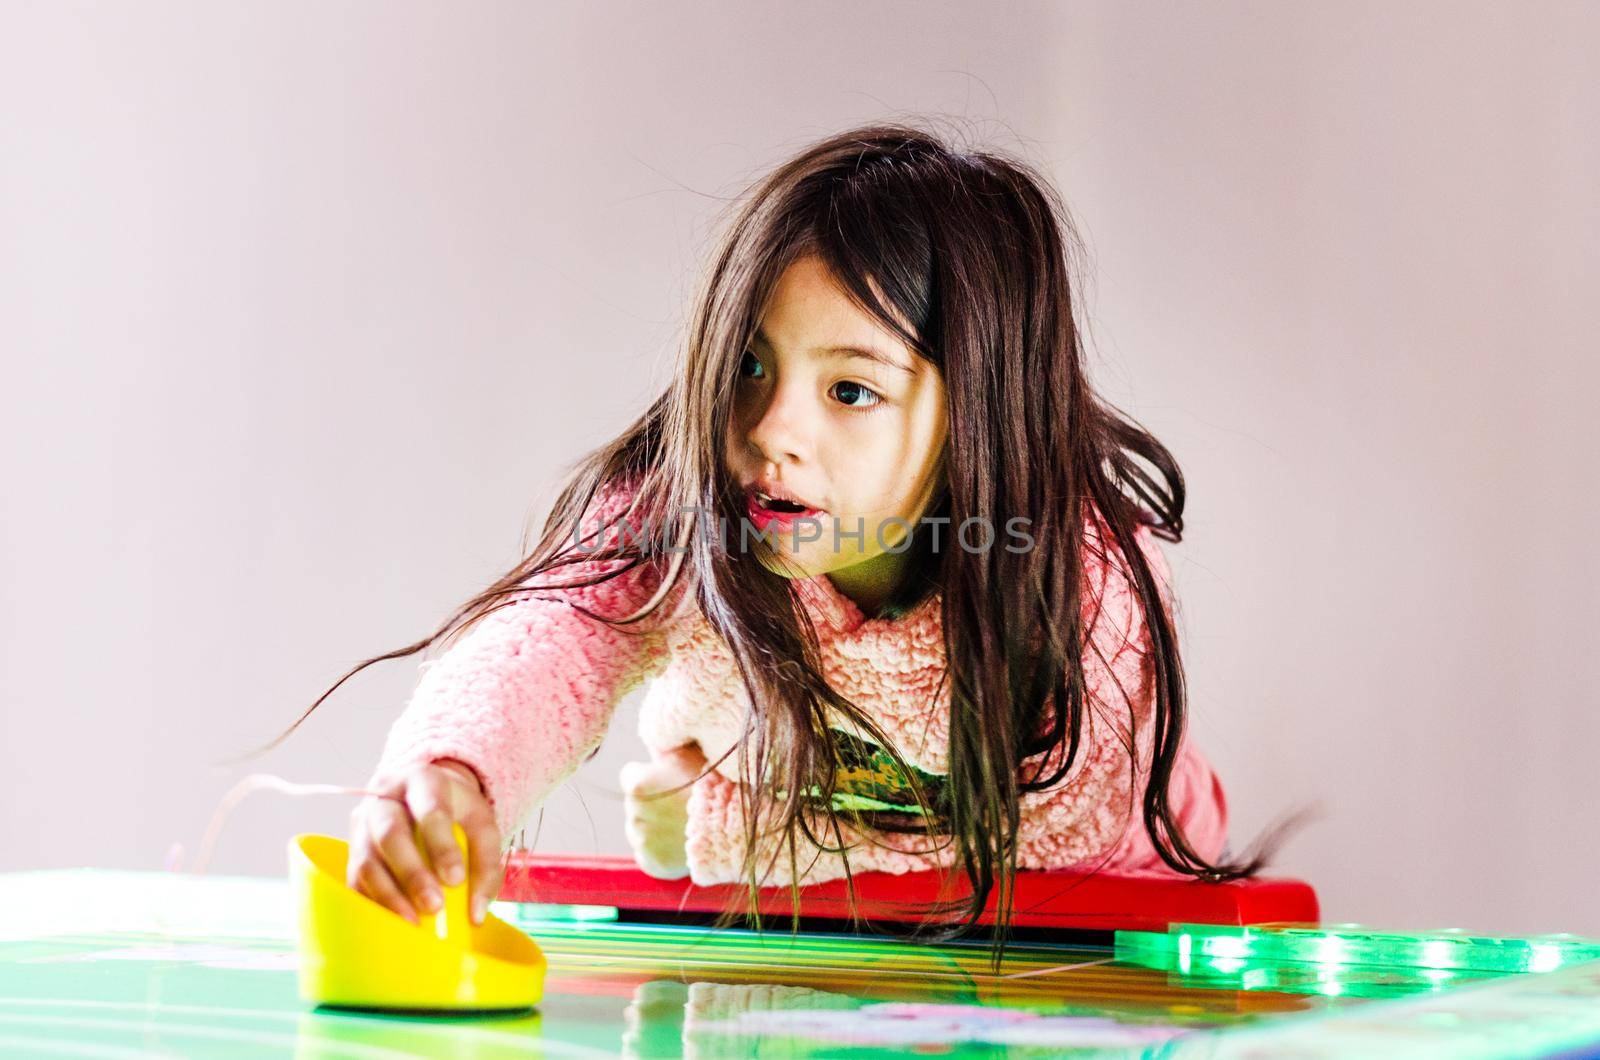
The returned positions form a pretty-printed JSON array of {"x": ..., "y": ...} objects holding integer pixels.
[
  {"x": 1340, "y": 945},
  {"x": 522, "y": 913}
]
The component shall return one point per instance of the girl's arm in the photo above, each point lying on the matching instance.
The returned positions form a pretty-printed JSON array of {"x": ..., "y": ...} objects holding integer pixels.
[
  {"x": 1087, "y": 813},
  {"x": 526, "y": 694},
  {"x": 1095, "y": 814},
  {"x": 656, "y": 804}
]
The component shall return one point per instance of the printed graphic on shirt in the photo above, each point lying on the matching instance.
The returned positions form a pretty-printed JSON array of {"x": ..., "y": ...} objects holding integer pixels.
[{"x": 868, "y": 779}]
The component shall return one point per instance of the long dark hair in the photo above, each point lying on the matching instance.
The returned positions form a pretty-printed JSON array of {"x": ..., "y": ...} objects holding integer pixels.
[{"x": 973, "y": 251}]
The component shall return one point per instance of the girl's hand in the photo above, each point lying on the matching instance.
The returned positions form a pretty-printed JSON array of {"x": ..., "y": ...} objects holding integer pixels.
[
  {"x": 388, "y": 865},
  {"x": 656, "y": 815}
]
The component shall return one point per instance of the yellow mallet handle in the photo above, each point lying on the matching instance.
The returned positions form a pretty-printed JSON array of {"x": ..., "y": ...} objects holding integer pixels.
[{"x": 451, "y": 923}]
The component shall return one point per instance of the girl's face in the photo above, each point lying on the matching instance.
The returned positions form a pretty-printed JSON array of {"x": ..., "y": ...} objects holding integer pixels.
[{"x": 833, "y": 412}]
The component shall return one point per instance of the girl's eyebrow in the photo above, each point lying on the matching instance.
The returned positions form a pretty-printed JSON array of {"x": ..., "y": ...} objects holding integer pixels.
[{"x": 864, "y": 352}]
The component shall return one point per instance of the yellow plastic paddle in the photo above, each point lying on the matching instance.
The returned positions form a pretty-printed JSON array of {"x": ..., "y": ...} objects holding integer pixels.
[{"x": 356, "y": 953}]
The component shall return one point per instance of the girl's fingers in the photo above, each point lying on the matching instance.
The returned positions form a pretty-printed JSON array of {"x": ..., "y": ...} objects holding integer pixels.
[
  {"x": 483, "y": 854},
  {"x": 392, "y": 833},
  {"x": 439, "y": 842},
  {"x": 429, "y": 800},
  {"x": 401, "y": 848},
  {"x": 437, "y": 799},
  {"x": 442, "y": 796},
  {"x": 374, "y": 880}
]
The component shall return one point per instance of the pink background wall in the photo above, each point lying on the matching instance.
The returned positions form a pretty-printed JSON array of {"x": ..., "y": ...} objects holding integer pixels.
[{"x": 303, "y": 310}]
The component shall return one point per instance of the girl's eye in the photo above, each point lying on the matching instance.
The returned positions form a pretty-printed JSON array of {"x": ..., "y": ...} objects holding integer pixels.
[
  {"x": 750, "y": 366},
  {"x": 857, "y": 396}
]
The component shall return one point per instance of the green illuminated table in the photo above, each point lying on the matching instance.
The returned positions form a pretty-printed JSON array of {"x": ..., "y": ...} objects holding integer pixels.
[{"x": 121, "y": 964}]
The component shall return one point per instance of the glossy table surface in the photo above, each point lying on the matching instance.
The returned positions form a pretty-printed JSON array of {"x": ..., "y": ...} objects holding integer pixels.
[{"x": 112, "y": 964}]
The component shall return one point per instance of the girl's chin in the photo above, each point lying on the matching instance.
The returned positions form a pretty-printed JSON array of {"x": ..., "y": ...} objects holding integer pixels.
[
  {"x": 789, "y": 564},
  {"x": 803, "y": 563}
]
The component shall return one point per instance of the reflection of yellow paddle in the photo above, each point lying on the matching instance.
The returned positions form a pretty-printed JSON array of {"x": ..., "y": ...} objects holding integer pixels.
[{"x": 357, "y": 953}]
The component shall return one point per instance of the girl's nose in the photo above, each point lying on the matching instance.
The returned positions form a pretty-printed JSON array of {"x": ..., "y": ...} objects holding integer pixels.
[{"x": 781, "y": 434}]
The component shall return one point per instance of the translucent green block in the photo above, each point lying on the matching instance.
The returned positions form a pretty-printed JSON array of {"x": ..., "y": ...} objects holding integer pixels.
[
  {"x": 536, "y": 913},
  {"x": 1345, "y": 981},
  {"x": 1340, "y": 945}
]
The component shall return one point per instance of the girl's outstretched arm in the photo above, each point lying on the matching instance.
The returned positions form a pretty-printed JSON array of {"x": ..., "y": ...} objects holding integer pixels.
[{"x": 527, "y": 693}]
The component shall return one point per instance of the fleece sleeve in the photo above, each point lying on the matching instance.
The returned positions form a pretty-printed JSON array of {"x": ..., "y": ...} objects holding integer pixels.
[
  {"x": 527, "y": 693},
  {"x": 1096, "y": 812}
]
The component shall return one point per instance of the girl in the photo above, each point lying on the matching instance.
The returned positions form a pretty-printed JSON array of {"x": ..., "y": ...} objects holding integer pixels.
[{"x": 888, "y": 558}]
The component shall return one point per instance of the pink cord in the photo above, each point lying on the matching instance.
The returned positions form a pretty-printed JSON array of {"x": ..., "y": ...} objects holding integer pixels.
[{"x": 253, "y": 783}]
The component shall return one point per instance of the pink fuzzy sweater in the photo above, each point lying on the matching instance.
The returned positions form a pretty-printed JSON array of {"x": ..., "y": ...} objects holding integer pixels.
[{"x": 527, "y": 693}]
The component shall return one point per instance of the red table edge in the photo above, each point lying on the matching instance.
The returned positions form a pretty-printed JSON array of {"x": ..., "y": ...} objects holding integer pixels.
[{"x": 1061, "y": 899}]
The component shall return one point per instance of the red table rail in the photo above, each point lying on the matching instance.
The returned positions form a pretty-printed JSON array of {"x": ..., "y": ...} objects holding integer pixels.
[{"x": 1059, "y": 900}]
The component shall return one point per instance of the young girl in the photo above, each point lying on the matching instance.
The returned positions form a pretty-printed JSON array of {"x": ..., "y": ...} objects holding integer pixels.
[{"x": 887, "y": 557}]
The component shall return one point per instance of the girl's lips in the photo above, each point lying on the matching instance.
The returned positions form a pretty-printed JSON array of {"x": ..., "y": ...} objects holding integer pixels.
[{"x": 763, "y": 517}]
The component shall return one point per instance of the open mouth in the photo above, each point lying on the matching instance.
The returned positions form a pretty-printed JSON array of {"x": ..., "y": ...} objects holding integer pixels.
[
  {"x": 774, "y": 504},
  {"x": 765, "y": 508}
]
